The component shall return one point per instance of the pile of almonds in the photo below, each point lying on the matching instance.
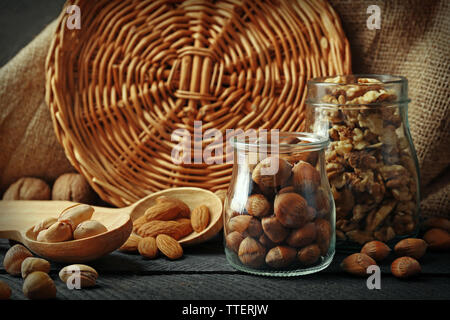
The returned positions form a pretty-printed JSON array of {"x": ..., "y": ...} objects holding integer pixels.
[
  {"x": 37, "y": 284},
  {"x": 72, "y": 224},
  {"x": 286, "y": 220},
  {"x": 162, "y": 225},
  {"x": 409, "y": 251}
]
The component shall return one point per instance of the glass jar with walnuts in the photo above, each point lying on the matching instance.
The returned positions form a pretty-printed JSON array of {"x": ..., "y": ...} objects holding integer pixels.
[
  {"x": 371, "y": 162},
  {"x": 279, "y": 216}
]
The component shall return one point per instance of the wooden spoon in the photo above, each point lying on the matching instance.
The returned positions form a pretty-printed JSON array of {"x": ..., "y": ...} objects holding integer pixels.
[{"x": 17, "y": 219}]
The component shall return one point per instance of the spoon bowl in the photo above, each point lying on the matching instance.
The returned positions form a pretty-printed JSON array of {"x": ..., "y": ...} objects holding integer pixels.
[{"x": 17, "y": 219}]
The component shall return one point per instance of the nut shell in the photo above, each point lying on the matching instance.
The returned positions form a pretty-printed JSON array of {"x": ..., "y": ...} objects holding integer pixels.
[
  {"x": 76, "y": 214},
  {"x": 306, "y": 178},
  {"x": 73, "y": 187},
  {"x": 28, "y": 189},
  {"x": 377, "y": 250},
  {"x": 280, "y": 256},
  {"x": 88, "y": 275},
  {"x": 39, "y": 286},
  {"x": 273, "y": 229},
  {"x": 233, "y": 240},
  {"x": 357, "y": 264},
  {"x": 291, "y": 210},
  {"x": 5, "y": 291},
  {"x": 32, "y": 264},
  {"x": 309, "y": 255},
  {"x": 303, "y": 236},
  {"x": 405, "y": 267},
  {"x": 437, "y": 239},
  {"x": 58, "y": 232},
  {"x": 257, "y": 205},
  {"x": 14, "y": 258},
  {"x": 251, "y": 253},
  {"x": 411, "y": 247},
  {"x": 88, "y": 229},
  {"x": 271, "y": 172}
]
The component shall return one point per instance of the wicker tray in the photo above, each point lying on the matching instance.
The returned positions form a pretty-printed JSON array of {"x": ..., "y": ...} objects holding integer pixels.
[{"x": 137, "y": 70}]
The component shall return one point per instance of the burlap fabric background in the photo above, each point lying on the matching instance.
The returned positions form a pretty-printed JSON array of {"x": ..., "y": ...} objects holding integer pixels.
[{"x": 414, "y": 41}]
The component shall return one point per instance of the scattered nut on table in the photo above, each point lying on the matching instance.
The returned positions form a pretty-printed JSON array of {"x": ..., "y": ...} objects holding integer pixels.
[
  {"x": 39, "y": 286},
  {"x": 14, "y": 258},
  {"x": 87, "y": 275}
]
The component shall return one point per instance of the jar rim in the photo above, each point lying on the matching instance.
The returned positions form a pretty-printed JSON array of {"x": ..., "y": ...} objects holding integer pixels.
[
  {"x": 314, "y": 142},
  {"x": 384, "y": 78}
]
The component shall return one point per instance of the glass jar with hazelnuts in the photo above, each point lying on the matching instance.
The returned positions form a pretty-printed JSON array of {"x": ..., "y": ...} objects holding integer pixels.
[{"x": 279, "y": 216}]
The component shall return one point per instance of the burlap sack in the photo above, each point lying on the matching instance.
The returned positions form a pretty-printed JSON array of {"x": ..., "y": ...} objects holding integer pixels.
[{"x": 413, "y": 41}]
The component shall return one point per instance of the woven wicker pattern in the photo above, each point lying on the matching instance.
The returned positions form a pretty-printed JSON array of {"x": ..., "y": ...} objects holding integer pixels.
[{"x": 137, "y": 70}]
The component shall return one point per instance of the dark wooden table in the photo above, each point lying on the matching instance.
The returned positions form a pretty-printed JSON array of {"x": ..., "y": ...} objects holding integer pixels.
[{"x": 204, "y": 273}]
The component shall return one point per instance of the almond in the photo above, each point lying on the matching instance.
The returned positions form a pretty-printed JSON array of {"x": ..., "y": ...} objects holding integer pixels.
[
  {"x": 200, "y": 218},
  {"x": 153, "y": 228},
  {"x": 138, "y": 223},
  {"x": 323, "y": 228},
  {"x": 164, "y": 210},
  {"x": 257, "y": 205},
  {"x": 147, "y": 247},
  {"x": 131, "y": 245},
  {"x": 185, "y": 226},
  {"x": 169, "y": 246},
  {"x": 185, "y": 212}
]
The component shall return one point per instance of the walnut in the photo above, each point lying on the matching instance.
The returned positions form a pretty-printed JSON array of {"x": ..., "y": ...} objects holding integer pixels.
[
  {"x": 403, "y": 224},
  {"x": 385, "y": 234},
  {"x": 361, "y": 160},
  {"x": 28, "y": 188},
  {"x": 344, "y": 203},
  {"x": 375, "y": 218},
  {"x": 373, "y": 122},
  {"x": 73, "y": 187}
]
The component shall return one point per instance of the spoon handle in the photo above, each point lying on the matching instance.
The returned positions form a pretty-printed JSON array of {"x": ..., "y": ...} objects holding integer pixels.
[{"x": 20, "y": 215}]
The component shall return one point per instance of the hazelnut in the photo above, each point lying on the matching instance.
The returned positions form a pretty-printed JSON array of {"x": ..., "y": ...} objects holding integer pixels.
[
  {"x": 233, "y": 240},
  {"x": 280, "y": 256},
  {"x": 303, "y": 236},
  {"x": 88, "y": 275},
  {"x": 305, "y": 177},
  {"x": 32, "y": 264},
  {"x": 39, "y": 286},
  {"x": 273, "y": 229},
  {"x": 73, "y": 187},
  {"x": 271, "y": 172},
  {"x": 377, "y": 250},
  {"x": 5, "y": 291},
  {"x": 14, "y": 258},
  {"x": 437, "y": 239},
  {"x": 357, "y": 264},
  {"x": 58, "y": 232},
  {"x": 291, "y": 210},
  {"x": 76, "y": 214},
  {"x": 257, "y": 205},
  {"x": 251, "y": 253},
  {"x": 266, "y": 242},
  {"x": 405, "y": 267},
  {"x": 28, "y": 189},
  {"x": 288, "y": 189},
  {"x": 414, "y": 248},
  {"x": 309, "y": 255},
  {"x": 245, "y": 224},
  {"x": 323, "y": 228},
  {"x": 435, "y": 222},
  {"x": 88, "y": 228}
]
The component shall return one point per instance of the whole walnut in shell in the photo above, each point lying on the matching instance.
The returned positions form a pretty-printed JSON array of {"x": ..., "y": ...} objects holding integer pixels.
[
  {"x": 28, "y": 188},
  {"x": 72, "y": 187}
]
